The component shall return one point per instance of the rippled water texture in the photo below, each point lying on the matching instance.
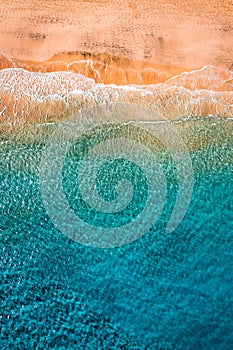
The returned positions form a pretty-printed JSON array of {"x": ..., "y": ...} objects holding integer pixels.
[{"x": 161, "y": 291}]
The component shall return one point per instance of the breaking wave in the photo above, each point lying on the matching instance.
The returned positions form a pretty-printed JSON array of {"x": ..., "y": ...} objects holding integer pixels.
[{"x": 37, "y": 97}]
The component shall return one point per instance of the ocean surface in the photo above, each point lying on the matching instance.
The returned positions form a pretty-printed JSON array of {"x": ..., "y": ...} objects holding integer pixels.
[{"x": 163, "y": 290}]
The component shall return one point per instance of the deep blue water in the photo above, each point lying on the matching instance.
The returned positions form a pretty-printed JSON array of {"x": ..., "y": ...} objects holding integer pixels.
[{"x": 162, "y": 291}]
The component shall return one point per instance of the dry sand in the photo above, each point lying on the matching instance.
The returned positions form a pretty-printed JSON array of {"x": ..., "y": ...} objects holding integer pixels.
[{"x": 183, "y": 33}]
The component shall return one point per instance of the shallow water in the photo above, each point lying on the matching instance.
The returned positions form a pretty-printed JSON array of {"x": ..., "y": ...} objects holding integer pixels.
[{"x": 161, "y": 291}]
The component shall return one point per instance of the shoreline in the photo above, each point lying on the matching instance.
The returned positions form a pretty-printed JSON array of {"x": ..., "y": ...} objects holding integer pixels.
[{"x": 32, "y": 97}]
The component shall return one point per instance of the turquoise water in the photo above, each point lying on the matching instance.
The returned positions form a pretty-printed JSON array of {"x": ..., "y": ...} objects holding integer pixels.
[{"x": 161, "y": 291}]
